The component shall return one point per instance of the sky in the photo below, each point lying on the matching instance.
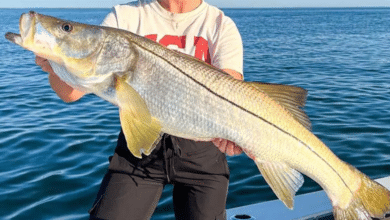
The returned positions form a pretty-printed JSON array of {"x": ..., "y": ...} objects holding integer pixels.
[{"x": 218, "y": 3}]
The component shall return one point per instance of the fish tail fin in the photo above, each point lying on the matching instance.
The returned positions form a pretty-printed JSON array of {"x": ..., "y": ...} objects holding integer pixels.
[{"x": 371, "y": 199}]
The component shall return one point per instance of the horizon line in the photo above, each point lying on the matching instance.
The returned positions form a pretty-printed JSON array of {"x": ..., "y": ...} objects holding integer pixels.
[{"x": 276, "y": 7}]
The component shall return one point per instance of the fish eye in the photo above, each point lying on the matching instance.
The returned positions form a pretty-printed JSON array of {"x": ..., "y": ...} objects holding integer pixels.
[{"x": 67, "y": 27}]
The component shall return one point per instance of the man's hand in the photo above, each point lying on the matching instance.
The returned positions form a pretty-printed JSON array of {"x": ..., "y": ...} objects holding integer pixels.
[
  {"x": 226, "y": 146},
  {"x": 63, "y": 90},
  {"x": 44, "y": 64}
]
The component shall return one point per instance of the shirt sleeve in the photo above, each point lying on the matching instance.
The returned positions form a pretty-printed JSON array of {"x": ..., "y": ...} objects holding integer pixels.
[
  {"x": 110, "y": 20},
  {"x": 124, "y": 17},
  {"x": 228, "y": 50}
]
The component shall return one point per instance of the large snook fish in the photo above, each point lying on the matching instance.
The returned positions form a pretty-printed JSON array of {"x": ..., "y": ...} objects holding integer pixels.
[{"x": 159, "y": 90}]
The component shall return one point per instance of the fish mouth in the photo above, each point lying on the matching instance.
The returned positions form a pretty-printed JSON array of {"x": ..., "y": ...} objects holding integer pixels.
[
  {"x": 33, "y": 36},
  {"x": 26, "y": 23}
]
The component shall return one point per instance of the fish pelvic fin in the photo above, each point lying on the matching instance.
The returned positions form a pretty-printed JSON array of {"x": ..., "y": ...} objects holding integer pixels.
[
  {"x": 142, "y": 131},
  {"x": 282, "y": 179},
  {"x": 292, "y": 98},
  {"x": 371, "y": 199}
]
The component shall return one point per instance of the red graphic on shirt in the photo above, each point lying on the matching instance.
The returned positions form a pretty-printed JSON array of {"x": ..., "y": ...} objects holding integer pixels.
[
  {"x": 173, "y": 40},
  {"x": 152, "y": 37},
  {"x": 202, "y": 51}
]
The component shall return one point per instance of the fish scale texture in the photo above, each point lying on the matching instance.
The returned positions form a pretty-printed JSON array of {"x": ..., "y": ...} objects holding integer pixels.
[{"x": 193, "y": 100}]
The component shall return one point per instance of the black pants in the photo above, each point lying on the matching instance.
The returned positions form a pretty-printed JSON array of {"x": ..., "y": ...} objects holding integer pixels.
[{"x": 132, "y": 187}]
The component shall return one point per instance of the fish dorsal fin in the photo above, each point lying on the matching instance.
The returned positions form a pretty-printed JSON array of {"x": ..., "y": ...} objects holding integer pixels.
[
  {"x": 292, "y": 98},
  {"x": 141, "y": 130},
  {"x": 283, "y": 180}
]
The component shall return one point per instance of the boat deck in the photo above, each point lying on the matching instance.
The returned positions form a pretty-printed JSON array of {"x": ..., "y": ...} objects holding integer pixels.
[{"x": 310, "y": 206}]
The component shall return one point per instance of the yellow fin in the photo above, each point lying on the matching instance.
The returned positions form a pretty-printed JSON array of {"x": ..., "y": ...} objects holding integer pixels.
[
  {"x": 292, "y": 98},
  {"x": 283, "y": 180},
  {"x": 141, "y": 130}
]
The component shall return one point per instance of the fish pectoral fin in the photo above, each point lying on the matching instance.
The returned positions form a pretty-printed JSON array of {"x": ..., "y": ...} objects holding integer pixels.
[
  {"x": 283, "y": 180},
  {"x": 292, "y": 98},
  {"x": 142, "y": 131},
  {"x": 141, "y": 137}
]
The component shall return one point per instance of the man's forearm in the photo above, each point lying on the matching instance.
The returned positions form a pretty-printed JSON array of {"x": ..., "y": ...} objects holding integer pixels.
[
  {"x": 63, "y": 90},
  {"x": 234, "y": 73}
]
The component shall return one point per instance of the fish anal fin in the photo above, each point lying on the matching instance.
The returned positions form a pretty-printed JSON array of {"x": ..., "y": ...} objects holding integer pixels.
[
  {"x": 141, "y": 130},
  {"x": 292, "y": 98},
  {"x": 283, "y": 180}
]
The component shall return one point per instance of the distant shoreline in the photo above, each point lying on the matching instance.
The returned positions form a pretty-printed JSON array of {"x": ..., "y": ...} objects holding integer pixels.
[{"x": 244, "y": 8}]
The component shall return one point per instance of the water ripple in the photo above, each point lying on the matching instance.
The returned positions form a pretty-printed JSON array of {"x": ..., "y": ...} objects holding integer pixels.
[{"x": 54, "y": 155}]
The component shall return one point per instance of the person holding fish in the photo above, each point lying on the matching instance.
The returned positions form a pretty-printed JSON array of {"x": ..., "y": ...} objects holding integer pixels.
[
  {"x": 199, "y": 173},
  {"x": 161, "y": 91}
]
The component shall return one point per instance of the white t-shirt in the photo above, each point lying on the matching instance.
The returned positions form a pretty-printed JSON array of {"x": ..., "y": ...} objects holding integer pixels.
[{"x": 205, "y": 33}]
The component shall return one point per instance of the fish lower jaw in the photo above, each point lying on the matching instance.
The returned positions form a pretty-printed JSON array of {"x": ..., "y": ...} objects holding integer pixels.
[{"x": 14, "y": 38}]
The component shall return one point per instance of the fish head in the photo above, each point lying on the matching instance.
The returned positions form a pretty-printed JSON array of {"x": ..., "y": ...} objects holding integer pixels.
[{"x": 73, "y": 45}]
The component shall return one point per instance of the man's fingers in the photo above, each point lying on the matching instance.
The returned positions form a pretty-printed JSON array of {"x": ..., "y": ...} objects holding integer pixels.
[
  {"x": 222, "y": 145},
  {"x": 230, "y": 148},
  {"x": 250, "y": 155},
  {"x": 39, "y": 60},
  {"x": 216, "y": 141},
  {"x": 44, "y": 64},
  {"x": 237, "y": 150}
]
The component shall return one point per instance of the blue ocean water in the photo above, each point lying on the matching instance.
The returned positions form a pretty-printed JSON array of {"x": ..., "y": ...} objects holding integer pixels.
[{"x": 53, "y": 155}]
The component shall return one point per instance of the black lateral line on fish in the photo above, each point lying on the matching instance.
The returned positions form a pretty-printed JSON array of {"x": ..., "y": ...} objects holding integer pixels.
[{"x": 242, "y": 108}]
